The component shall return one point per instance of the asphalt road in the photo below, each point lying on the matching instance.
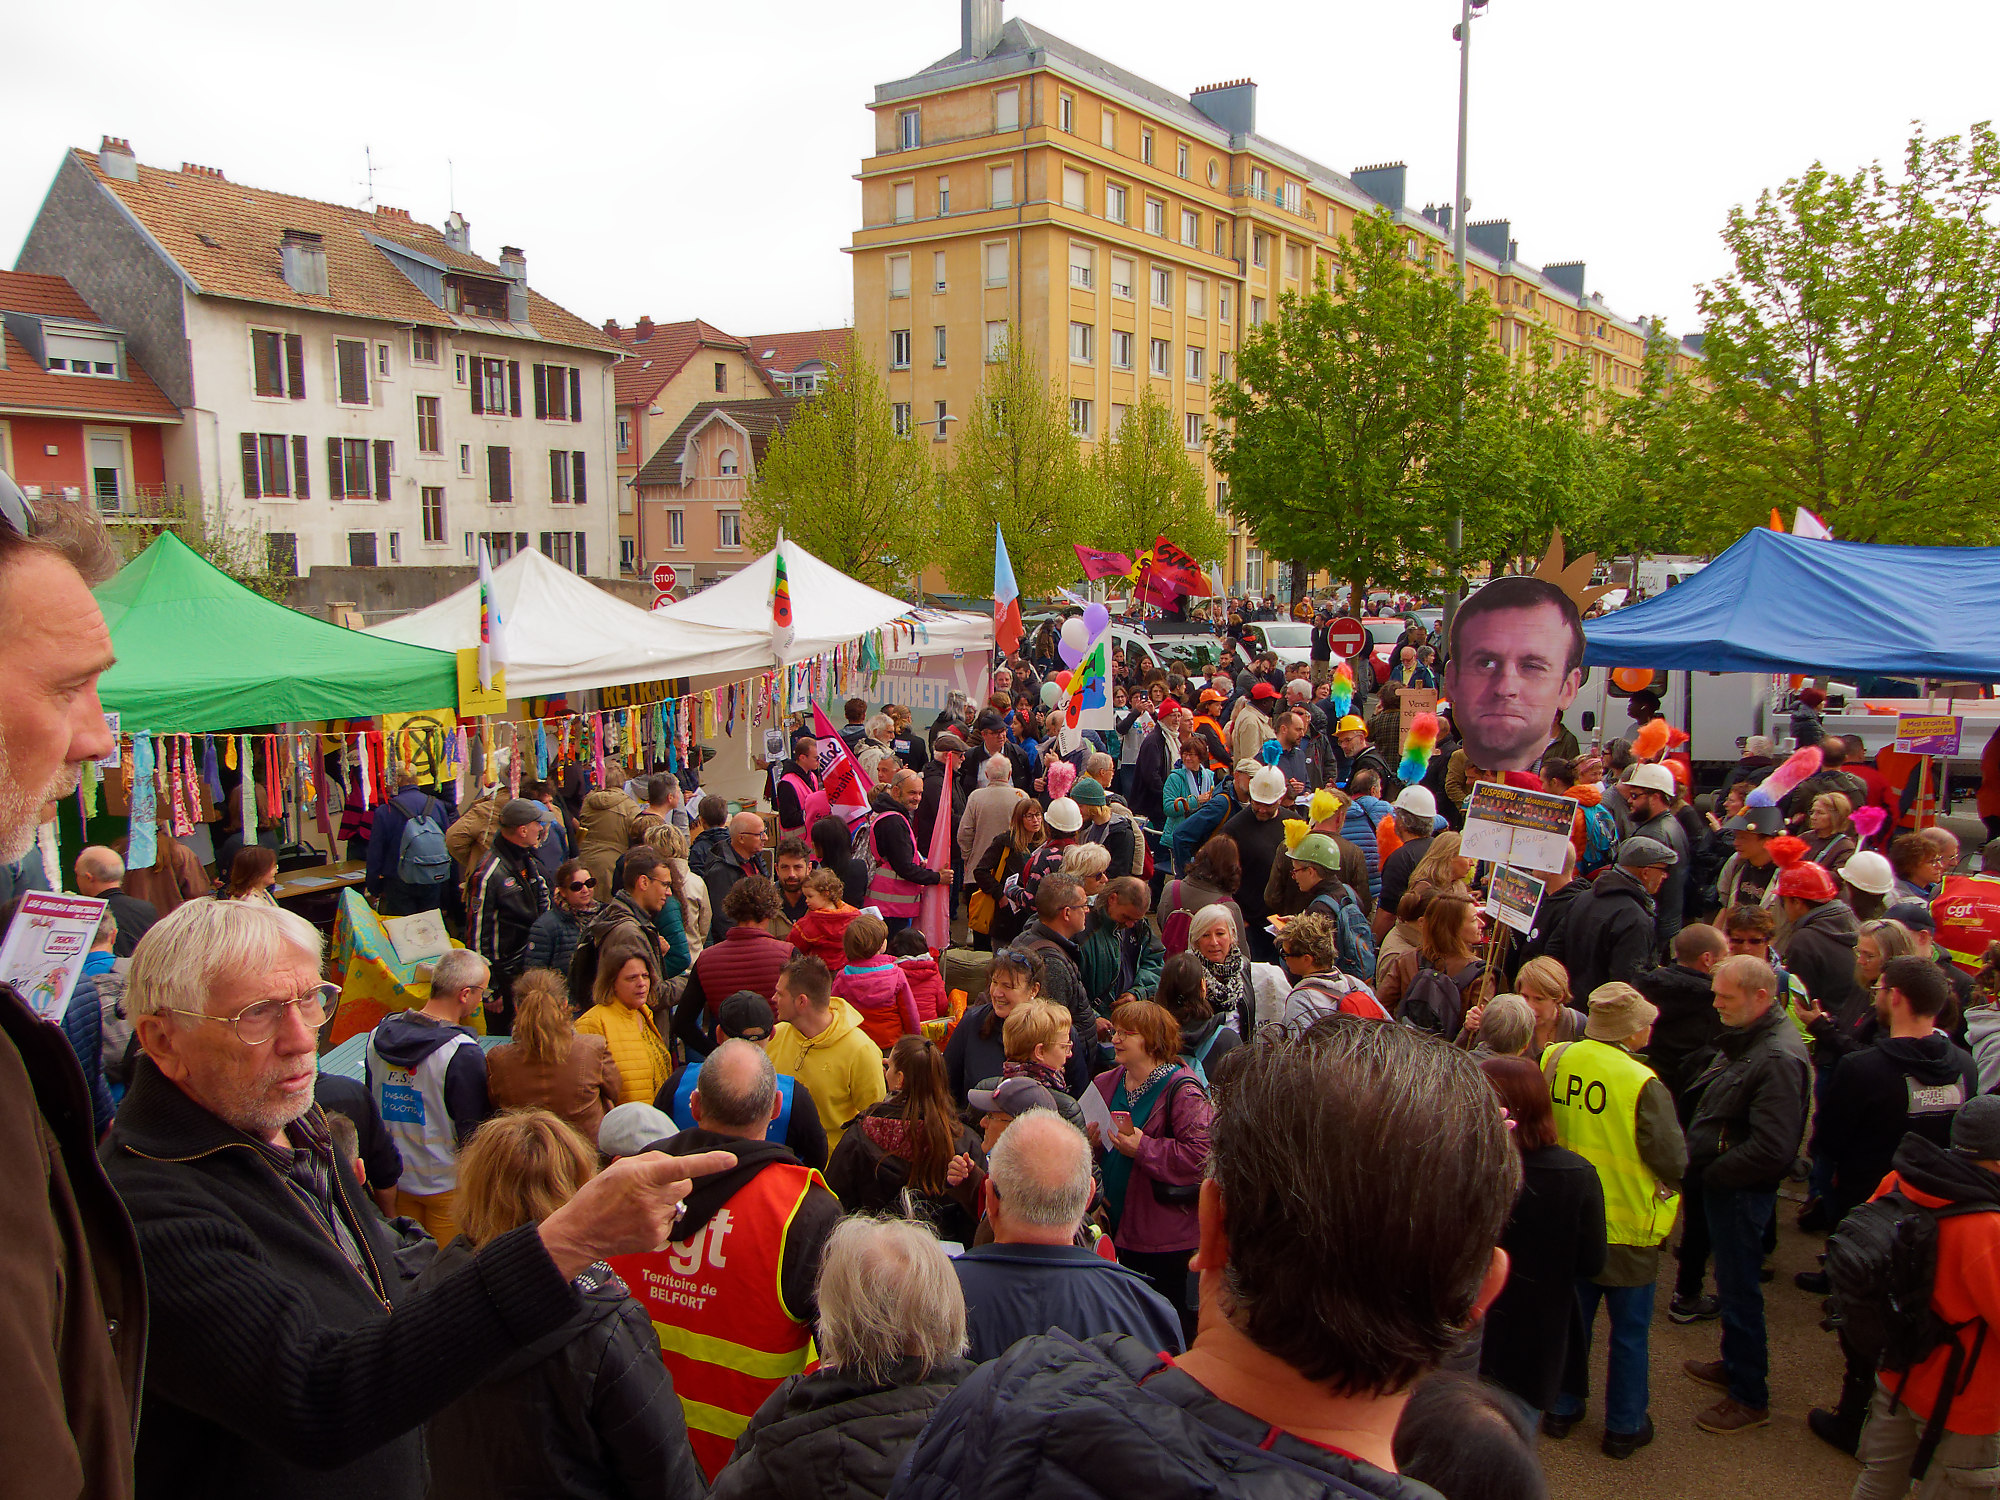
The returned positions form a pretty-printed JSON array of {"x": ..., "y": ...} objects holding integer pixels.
[{"x": 1683, "y": 1461}]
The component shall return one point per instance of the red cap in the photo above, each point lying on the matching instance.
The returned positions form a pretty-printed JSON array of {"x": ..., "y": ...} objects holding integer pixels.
[
  {"x": 1808, "y": 882},
  {"x": 1263, "y": 690}
]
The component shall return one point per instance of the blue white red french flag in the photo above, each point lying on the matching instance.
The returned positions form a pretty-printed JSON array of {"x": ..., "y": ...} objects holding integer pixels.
[{"x": 1006, "y": 597}]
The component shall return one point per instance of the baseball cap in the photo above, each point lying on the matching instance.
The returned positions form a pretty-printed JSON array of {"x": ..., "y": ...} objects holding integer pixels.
[
  {"x": 1870, "y": 872},
  {"x": 1209, "y": 695},
  {"x": 1417, "y": 801},
  {"x": 1318, "y": 850},
  {"x": 1088, "y": 792},
  {"x": 1063, "y": 816},
  {"x": 520, "y": 812},
  {"x": 1011, "y": 1096},
  {"x": 1267, "y": 786},
  {"x": 1642, "y": 853},
  {"x": 746, "y": 1010},
  {"x": 1262, "y": 691},
  {"x": 631, "y": 1128},
  {"x": 1759, "y": 820},
  {"x": 1652, "y": 777},
  {"x": 1350, "y": 724},
  {"x": 1915, "y": 915}
]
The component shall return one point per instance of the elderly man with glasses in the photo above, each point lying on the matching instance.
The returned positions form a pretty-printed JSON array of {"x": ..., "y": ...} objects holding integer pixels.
[{"x": 286, "y": 1358}]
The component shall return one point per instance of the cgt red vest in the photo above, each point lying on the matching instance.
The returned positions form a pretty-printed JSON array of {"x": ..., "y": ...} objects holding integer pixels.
[{"x": 718, "y": 1306}]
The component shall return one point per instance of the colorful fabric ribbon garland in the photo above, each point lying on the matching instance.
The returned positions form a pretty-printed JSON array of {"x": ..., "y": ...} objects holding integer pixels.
[{"x": 143, "y": 846}]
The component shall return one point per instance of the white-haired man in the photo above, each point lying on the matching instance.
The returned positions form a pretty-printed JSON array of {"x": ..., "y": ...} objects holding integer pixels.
[
  {"x": 1034, "y": 1276},
  {"x": 100, "y": 872},
  {"x": 284, "y": 1358}
]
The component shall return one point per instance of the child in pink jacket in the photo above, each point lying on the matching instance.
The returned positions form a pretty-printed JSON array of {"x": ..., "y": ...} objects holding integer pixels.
[{"x": 873, "y": 985}]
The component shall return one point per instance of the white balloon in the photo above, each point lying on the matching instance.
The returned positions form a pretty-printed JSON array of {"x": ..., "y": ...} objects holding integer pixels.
[{"x": 1076, "y": 633}]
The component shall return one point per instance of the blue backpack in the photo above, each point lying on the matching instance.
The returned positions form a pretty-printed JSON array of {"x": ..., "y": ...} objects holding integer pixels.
[
  {"x": 1353, "y": 938},
  {"x": 1600, "y": 847},
  {"x": 421, "y": 857}
]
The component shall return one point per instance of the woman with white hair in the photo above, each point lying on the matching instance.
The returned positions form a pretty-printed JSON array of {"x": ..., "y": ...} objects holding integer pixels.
[
  {"x": 892, "y": 1346},
  {"x": 1212, "y": 938},
  {"x": 1090, "y": 864}
]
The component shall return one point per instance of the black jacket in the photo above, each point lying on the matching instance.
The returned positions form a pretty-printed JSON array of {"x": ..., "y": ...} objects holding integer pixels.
[
  {"x": 835, "y": 1437},
  {"x": 805, "y": 1242},
  {"x": 1820, "y": 951},
  {"x": 587, "y": 1411},
  {"x": 1149, "y": 777},
  {"x": 1554, "y": 1239},
  {"x": 379, "y": 1156},
  {"x": 275, "y": 1367},
  {"x": 702, "y": 847},
  {"x": 1747, "y": 1125},
  {"x": 1396, "y": 871},
  {"x": 870, "y": 1179},
  {"x": 553, "y": 938},
  {"x": 1055, "y": 1419},
  {"x": 1687, "y": 1026},
  {"x": 1879, "y": 1094},
  {"x": 725, "y": 869},
  {"x": 507, "y": 892},
  {"x": 1550, "y": 919},
  {"x": 1609, "y": 934}
]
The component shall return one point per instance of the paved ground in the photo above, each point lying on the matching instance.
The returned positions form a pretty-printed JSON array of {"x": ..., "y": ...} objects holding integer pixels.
[{"x": 1683, "y": 1461}]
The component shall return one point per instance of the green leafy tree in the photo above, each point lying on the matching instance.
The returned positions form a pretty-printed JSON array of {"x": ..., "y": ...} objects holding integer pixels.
[
  {"x": 1852, "y": 351},
  {"x": 1151, "y": 488},
  {"x": 1654, "y": 473},
  {"x": 838, "y": 480},
  {"x": 1334, "y": 431},
  {"x": 1016, "y": 464}
]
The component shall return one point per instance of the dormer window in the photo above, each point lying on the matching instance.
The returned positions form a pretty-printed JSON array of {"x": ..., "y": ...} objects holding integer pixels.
[{"x": 81, "y": 354}]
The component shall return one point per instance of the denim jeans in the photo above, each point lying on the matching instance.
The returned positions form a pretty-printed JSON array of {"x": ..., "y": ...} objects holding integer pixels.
[
  {"x": 1736, "y": 1222},
  {"x": 1631, "y": 1312}
]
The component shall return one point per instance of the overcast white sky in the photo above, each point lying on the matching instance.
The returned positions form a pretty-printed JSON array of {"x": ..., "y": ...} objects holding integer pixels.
[{"x": 689, "y": 160}]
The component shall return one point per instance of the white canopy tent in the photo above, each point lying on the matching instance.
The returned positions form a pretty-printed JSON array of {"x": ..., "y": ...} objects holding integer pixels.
[
  {"x": 564, "y": 634},
  {"x": 829, "y": 609}
]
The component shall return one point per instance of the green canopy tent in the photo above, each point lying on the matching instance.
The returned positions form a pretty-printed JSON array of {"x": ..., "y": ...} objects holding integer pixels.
[{"x": 199, "y": 652}]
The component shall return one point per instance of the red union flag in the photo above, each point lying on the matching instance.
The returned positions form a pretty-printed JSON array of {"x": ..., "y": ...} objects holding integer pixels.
[
  {"x": 1170, "y": 562},
  {"x": 840, "y": 775}
]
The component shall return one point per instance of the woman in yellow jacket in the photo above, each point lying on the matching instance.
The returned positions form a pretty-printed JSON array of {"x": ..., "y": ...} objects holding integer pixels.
[{"x": 621, "y": 1017}]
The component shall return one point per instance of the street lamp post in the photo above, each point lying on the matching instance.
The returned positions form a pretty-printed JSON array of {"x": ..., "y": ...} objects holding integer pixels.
[{"x": 1462, "y": 34}]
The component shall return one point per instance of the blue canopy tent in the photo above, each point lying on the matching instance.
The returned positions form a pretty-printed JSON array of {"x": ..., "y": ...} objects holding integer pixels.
[{"x": 1780, "y": 603}]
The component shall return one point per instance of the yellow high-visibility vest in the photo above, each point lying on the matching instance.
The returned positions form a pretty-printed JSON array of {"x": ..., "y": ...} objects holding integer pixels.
[{"x": 1594, "y": 1087}]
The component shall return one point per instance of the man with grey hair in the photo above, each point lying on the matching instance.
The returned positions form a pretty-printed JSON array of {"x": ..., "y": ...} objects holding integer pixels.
[
  {"x": 285, "y": 1358},
  {"x": 427, "y": 1076},
  {"x": 741, "y": 856},
  {"x": 101, "y": 872},
  {"x": 72, "y": 1300},
  {"x": 733, "y": 1294},
  {"x": 1034, "y": 1276}
]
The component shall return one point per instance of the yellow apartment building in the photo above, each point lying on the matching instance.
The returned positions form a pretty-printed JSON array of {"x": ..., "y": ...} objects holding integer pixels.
[{"x": 1023, "y": 187}]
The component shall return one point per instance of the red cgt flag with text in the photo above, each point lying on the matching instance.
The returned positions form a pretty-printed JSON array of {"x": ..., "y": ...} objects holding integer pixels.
[{"x": 840, "y": 775}]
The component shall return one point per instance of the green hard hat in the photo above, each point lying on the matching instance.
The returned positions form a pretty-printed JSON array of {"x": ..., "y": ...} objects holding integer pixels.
[{"x": 1318, "y": 850}]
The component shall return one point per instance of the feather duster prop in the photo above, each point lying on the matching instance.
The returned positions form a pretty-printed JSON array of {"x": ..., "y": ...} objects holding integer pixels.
[
  {"x": 1780, "y": 783},
  {"x": 1343, "y": 690},
  {"x": 1418, "y": 747},
  {"x": 1062, "y": 776},
  {"x": 1652, "y": 739},
  {"x": 1866, "y": 823},
  {"x": 1786, "y": 850},
  {"x": 1295, "y": 829}
]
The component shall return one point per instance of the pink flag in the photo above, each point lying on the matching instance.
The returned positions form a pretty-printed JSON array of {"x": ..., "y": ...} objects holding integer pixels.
[
  {"x": 1103, "y": 564},
  {"x": 934, "y": 916},
  {"x": 840, "y": 775}
]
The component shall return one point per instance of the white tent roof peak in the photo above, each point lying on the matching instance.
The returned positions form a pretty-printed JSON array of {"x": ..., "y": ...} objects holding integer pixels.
[{"x": 565, "y": 634}]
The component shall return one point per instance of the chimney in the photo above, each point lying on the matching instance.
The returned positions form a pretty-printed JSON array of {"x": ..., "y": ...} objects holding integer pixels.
[
  {"x": 302, "y": 256},
  {"x": 1567, "y": 274},
  {"x": 1513, "y": 249},
  {"x": 194, "y": 169},
  {"x": 1231, "y": 105},
  {"x": 1385, "y": 183},
  {"x": 1439, "y": 214},
  {"x": 978, "y": 28},
  {"x": 116, "y": 158},
  {"x": 1491, "y": 236},
  {"x": 458, "y": 233},
  {"x": 611, "y": 327},
  {"x": 514, "y": 266},
  {"x": 383, "y": 211},
  {"x": 643, "y": 329}
]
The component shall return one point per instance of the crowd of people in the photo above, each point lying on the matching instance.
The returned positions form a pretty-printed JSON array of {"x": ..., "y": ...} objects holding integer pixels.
[{"x": 760, "y": 1193}]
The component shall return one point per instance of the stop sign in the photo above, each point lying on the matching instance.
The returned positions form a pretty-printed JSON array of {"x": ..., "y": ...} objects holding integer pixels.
[
  {"x": 661, "y": 601},
  {"x": 1346, "y": 637},
  {"x": 664, "y": 577}
]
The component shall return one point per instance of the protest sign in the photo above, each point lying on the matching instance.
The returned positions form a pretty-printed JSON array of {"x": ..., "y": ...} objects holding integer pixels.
[
  {"x": 1511, "y": 825},
  {"x": 45, "y": 947},
  {"x": 1512, "y": 897},
  {"x": 1928, "y": 734},
  {"x": 1411, "y": 701},
  {"x": 840, "y": 775}
]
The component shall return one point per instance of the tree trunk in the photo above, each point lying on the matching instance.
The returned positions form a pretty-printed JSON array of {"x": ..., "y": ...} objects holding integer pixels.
[{"x": 1298, "y": 581}]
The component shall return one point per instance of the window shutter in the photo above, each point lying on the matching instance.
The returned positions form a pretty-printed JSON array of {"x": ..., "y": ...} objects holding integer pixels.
[
  {"x": 301, "y": 490},
  {"x": 295, "y": 366},
  {"x": 250, "y": 487},
  {"x": 579, "y": 542},
  {"x": 337, "y": 489},
  {"x": 576, "y": 488},
  {"x": 382, "y": 451},
  {"x": 555, "y": 474},
  {"x": 478, "y": 384},
  {"x": 575, "y": 397},
  {"x": 514, "y": 386},
  {"x": 541, "y": 392}
]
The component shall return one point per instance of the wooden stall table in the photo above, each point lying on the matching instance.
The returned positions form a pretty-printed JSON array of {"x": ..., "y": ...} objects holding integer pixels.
[{"x": 319, "y": 880}]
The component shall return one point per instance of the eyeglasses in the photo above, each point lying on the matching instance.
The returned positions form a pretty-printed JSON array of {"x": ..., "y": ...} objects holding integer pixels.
[
  {"x": 256, "y": 1024},
  {"x": 583, "y": 885}
]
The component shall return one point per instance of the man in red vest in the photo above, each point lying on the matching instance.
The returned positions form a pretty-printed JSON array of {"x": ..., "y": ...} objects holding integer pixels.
[{"x": 732, "y": 1297}]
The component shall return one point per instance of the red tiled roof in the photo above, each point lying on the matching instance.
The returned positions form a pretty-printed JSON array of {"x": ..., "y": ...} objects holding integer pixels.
[
  {"x": 25, "y": 386},
  {"x": 762, "y": 420},
  {"x": 226, "y": 236},
  {"x": 782, "y": 353},
  {"x": 651, "y": 362}
]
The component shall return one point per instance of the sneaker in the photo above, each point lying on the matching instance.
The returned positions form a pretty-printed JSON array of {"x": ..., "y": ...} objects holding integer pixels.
[
  {"x": 1834, "y": 1430},
  {"x": 1730, "y": 1415},
  {"x": 1708, "y": 1371},
  {"x": 1816, "y": 1282},
  {"x": 1625, "y": 1444},
  {"x": 1557, "y": 1426},
  {"x": 1694, "y": 1309}
]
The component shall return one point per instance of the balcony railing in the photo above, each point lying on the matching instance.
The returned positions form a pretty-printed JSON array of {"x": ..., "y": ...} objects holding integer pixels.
[{"x": 1265, "y": 195}]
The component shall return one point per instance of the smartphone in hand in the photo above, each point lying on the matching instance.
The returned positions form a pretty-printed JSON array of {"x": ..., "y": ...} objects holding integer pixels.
[{"x": 1122, "y": 1120}]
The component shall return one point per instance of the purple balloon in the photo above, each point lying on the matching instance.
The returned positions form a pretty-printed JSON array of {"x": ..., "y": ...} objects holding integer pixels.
[
  {"x": 1070, "y": 655},
  {"x": 1095, "y": 618}
]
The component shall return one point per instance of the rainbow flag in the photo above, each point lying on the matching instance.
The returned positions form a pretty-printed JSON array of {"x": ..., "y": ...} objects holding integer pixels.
[
  {"x": 492, "y": 633},
  {"x": 1006, "y": 597},
  {"x": 781, "y": 601},
  {"x": 1088, "y": 702}
]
